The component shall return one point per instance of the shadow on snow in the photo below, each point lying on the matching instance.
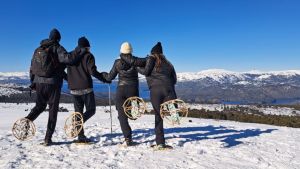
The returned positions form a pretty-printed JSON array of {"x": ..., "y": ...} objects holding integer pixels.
[{"x": 189, "y": 134}]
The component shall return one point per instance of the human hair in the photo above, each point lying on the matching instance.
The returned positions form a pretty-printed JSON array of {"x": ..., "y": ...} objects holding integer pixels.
[{"x": 160, "y": 58}]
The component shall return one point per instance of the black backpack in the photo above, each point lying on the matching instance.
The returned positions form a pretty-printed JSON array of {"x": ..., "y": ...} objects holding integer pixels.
[{"x": 43, "y": 62}]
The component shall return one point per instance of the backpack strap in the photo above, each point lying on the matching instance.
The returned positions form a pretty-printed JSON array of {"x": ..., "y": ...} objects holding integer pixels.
[{"x": 53, "y": 54}]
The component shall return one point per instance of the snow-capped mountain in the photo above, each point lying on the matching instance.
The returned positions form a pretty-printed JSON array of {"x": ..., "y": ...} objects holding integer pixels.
[
  {"x": 217, "y": 85},
  {"x": 213, "y": 85},
  {"x": 241, "y": 78},
  {"x": 214, "y": 75},
  {"x": 14, "y": 75}
]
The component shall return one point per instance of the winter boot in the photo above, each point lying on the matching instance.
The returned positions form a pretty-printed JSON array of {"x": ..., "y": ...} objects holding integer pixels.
[
  {"x": 128, "y": 142},
  {"x": 47, "y": 142},
  {"x": 83, "y": 139},
  {"x": 161, "y": 147}
]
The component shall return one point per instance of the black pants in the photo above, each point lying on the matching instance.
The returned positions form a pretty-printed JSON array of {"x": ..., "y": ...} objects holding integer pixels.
[
  {"x": 159, "y": 95},
  {"x": 124, "y": 92},
  {"x": 90, "y": 105},
  {"x": 46, "y": 93}
]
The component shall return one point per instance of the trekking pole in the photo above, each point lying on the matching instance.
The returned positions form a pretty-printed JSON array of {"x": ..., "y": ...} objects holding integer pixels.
[{"x": 109, "y": 102}]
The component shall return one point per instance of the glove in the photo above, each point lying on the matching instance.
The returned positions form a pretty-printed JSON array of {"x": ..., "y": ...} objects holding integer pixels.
[
  {"x": 109, "y": 82},
  {"x": 32, "y": 86},
  {"x": 83, "y": 51},
  {"x": 79, "y": 51},
  {"x": 105, "y": 74}
]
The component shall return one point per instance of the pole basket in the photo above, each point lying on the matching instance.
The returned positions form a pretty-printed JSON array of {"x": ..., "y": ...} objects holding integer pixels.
[
  {"x": 23, "y": 129},
  {"x": 173, "y": 111},
  {"x": 134, "y": 107},
  {"x": 73, "y": 125}
]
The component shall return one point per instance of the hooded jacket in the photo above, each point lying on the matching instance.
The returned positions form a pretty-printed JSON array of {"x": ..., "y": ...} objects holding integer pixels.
[
  {"x": 63, "y": 58},
  {"x": 128, "y": 75},
  {"x": 80, "y": 74}
]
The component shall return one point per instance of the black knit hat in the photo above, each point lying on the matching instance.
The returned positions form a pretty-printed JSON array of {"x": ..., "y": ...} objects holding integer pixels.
[
  {"x": 83, "y": 42},
  {"x": 157, "y": 49},
  {"x": 54, "y": 35}
]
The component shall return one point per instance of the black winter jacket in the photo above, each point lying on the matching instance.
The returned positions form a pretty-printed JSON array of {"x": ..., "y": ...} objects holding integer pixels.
[
  {"x": 164, "y": 76},
  {"x": 128, "y": 75},
  {"x": 62, "y": 57},
  {"x": 80, "y": 74}
]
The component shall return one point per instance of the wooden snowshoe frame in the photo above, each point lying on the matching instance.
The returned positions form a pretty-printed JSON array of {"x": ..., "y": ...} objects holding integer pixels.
[
  {"x": 73, "y": 124},
  {"x": 23, "y": 129},
  {"x": 173, "y": 111},
  {"x": 134, "y": 107}
]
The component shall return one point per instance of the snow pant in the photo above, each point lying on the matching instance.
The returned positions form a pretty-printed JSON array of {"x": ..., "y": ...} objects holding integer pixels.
[
  {"x": 159, "y": 95},
  {"x": 124, "y": 92},
  {"x": 87, "y": 100},
  {"x": 46, "y": 93}
]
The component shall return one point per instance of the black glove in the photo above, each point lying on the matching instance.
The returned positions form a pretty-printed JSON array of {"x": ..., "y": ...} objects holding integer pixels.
[
  {"x": 106, "y": 81},
  {"x": 104, "y": 75},
  {"x": 32, "y": 86},
  {"x": 80, "y": 51},
  {"x": 83, "y": 51},
  {"x": 76, "y": 50}
]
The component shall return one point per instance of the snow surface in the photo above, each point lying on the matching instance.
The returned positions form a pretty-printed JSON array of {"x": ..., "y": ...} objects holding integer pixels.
[{"x": 200, "y": 144}]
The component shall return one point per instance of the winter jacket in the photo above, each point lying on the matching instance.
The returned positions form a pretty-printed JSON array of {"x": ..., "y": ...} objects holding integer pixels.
[
  {"x": 61, "y": 56},
  {"x": 128, "y": 75},
  {"x": 80, "y": 74},
  {"x": 164, "y": 76}
]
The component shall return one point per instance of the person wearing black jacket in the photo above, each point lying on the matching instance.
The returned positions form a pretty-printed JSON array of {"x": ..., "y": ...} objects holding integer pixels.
[
  {"x": 48, "y": 88},
  {"x": 81, "y": 84},
  {"x": 128, "y": 86},
  {"x": 161, "y": 79}
]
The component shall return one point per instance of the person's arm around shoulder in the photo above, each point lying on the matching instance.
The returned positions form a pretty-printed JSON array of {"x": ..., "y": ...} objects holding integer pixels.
[
  {"x": 150, "y": 63},
  {"x": 72, "y": 57},
  {"x": 133, "y": 60}
]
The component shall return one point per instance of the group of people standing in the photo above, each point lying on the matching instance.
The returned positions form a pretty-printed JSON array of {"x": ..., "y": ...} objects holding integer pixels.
[{"x": 80, "y": 65}]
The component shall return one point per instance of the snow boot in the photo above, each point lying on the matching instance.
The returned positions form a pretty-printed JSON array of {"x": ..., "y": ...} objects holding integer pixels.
[
  {"x": 83, "y": 140},
  {"x": 162, "y": 147},
  {"x": 47, "y": 142},
  {"x": 128, "y": 142}
]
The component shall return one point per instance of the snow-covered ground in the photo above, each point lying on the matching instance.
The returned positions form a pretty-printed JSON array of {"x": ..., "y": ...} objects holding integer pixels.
[
  {"x": 266, "y": 110},
  {"x": 200, "y": 144}
]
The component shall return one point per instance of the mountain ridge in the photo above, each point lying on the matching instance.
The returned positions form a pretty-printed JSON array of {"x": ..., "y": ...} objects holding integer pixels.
[{"x": 214, "y": 74}]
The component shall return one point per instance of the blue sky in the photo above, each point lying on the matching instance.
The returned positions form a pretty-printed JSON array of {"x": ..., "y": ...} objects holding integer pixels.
[{"x": 238, "y": 35}]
